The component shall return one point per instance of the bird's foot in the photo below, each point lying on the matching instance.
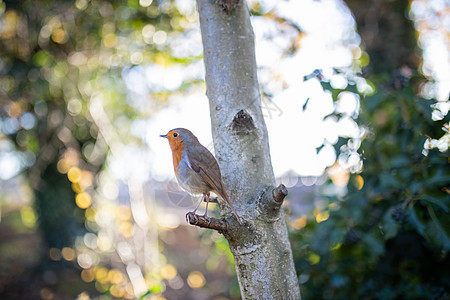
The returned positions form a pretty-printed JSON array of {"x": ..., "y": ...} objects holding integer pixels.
[
  {"x": 207, "y": 218},
  {"x": 189, "y": 215}
]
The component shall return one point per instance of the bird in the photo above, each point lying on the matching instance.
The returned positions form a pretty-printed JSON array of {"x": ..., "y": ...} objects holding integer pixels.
[{"x": 196, "y": 169}]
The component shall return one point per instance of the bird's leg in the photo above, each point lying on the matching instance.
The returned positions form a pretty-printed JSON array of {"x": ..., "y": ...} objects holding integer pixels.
[
  {"x": 199, "y": 204},
  {"x": 207, "y": 201},
  {"x": 206, "y": 210},
  {"x": 193, "y": 212}
]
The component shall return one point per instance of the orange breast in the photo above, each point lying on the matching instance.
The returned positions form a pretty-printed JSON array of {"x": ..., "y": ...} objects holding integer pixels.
[{"x": 177, "y": 147}]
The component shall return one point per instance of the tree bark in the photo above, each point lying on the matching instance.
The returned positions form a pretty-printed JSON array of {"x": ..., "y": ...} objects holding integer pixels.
[{"x": 261, "y": 248}]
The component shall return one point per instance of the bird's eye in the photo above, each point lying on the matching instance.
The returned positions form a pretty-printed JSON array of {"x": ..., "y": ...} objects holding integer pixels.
[{"x": 175, "y": 134}]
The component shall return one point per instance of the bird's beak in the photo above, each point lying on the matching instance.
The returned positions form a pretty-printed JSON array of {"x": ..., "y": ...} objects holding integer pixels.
[{"x": 164, "y": 136}]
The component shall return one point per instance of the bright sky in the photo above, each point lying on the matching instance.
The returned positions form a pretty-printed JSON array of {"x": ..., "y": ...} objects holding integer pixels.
[{"x": 329, "y": 37}]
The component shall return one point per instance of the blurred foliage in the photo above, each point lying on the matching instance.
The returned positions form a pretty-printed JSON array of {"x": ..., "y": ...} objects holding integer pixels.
[
  {"x": 388, "y": 237},
  {"x": 60, "y": 220},
  {"x": 65, "y": 105}
]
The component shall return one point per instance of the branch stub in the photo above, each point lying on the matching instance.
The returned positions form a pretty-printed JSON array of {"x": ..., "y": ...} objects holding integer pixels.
[
  {"x": 279, "y": 193},
  {"x": 206, "y": 222}
]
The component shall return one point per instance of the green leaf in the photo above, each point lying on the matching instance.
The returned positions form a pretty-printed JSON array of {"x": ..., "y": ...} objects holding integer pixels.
[
  {"x": 389, "y": 181},
  {"x": 388, "y": 226},
  {"x": 436, "y": 201},
  {"x": 439, "y": 178},
  {"x": 440, "y": 235},
  {"x": 306, "y": 104},
  {"x": 399, "y": 161},
  {"x": 145, "y": 295},
  {"x": 373, "y": 102},
  {"x": 416, "y": 222},
  {"x": 326, "y": 86},
  {"x": 352, "y": 88},
  {"x": 376, "y": 246}
]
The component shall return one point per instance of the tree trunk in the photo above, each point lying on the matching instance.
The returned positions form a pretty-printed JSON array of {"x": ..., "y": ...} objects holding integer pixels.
[
  {"x": 260, "y": 246},
  {"x": 388, "y": 36}
]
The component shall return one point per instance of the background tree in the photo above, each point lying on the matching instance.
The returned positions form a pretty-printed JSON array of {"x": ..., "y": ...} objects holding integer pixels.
[{"x": 388, "y": 237}]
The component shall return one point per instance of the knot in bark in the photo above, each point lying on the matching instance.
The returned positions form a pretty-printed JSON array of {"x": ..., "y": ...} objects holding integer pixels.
[
  {"x": 228, "y": 5},
  {"x": 242, "y": 123}
]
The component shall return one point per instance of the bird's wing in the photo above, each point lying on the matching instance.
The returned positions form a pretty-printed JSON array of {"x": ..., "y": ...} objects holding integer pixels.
[{"x": 204, "y": 163}]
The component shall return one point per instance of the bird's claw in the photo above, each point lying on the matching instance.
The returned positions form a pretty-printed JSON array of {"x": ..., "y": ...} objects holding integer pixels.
[
  {"x": 188, "y": 217},
  {"x": 192, "y": 218},
  {"x": 207, "y": 218}
]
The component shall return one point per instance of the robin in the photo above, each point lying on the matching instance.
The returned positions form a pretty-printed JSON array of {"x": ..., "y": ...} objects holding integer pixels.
[{"x": 196, "y": 169}]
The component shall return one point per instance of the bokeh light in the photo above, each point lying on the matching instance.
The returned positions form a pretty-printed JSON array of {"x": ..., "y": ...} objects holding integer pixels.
[
  {"x": 196, "y": 280},
  {"x": 54, "y": 254},
  {"x": 68, "y": 253},
  {"x": 88, "y": 275},
  {"x": 83, "y": 200},
  {"x": 28, "y": 217}
]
